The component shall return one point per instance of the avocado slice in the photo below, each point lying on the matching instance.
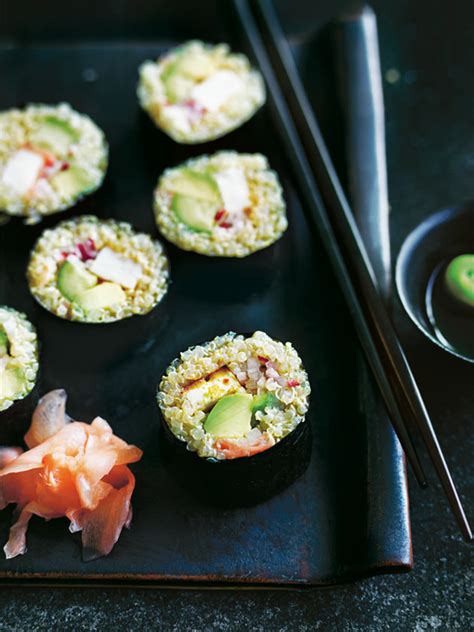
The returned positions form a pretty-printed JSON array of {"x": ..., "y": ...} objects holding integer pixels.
[
  {"x": 196, "y": 214},
  {"x": 265, "y": 400},
  {"x": 12, "y": 383},
  {"x": 180, "y": 76},
  {"x": 460, "y": 278},
  {"x": 198, "y": 66},
  {"x": 72, "y": 182},
  {"x": 56, "y": 135},
  {"x": 3, "y": 344},
  {"x": 102, "y": 295},
  {"x": 178, "y": 88},
  {"x": 74, "y": 280},
  {"x": 231, "y": 416},
  {"x": 80, "y": 286},
  {"x": 195, "y": 184}
]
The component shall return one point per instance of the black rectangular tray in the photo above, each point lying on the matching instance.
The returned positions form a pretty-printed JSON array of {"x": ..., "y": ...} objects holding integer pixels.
[{"x": 348, "y": 515}]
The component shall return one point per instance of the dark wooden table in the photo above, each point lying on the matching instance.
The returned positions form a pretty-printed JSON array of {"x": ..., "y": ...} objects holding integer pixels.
[{"x": 427, "y": 60}]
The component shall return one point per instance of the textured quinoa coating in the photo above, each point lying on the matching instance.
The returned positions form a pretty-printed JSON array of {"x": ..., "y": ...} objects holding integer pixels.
[
  {"x": 87, "y": 153},
  {"x": 49, "y": 253},
  {"x": 291, "y": 387},
  {"x": 22, "y": 352},
  {"x": 263, "y": 222},
  {"x": 182, "y": 116}
]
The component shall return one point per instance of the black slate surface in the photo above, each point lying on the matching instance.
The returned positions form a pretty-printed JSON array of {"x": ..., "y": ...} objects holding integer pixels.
[{"x": 426, "y": 46}]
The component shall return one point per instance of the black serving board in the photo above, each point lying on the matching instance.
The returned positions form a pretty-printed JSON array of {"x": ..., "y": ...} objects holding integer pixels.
[{"x": 348, "y": 515}]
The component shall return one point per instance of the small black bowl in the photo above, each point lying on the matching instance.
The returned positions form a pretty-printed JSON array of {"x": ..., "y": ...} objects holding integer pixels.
[{"x": 432, "y": 244}]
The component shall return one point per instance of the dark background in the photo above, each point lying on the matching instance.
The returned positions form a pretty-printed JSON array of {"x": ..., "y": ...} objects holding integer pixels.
[{"x": 430, "y": 150}]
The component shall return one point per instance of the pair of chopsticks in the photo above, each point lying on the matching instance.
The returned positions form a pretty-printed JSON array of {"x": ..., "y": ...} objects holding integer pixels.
[{"x": 311, "y": 162}]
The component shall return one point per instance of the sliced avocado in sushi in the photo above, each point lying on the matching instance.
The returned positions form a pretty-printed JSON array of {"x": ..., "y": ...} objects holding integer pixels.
[
  {"x": 12, "y": 383},
  {"x": 197, "y": 66},
  {"x": 100, "y": 296},
  {"x": 55, "y": 134},
  {"x": 3, "y": 344},
  {"x": 80, "y": 286},
  {"x": 196, "y": 214},
  {"x": 178, "y": 88},
  {"x": 74, "y": 280},
  {"x": 231, "y": 416},
  {"x": 196, "y": 199},
  {"x": 195, "y": 184},
  {"x": 72, "y": 182},
  {"x": 180, "y": 77},
  {"x": 460, "y": 278},
  {"x": 265, "y": 400}
]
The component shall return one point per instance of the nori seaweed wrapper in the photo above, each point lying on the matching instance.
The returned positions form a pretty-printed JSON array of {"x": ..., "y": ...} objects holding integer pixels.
[{"x": 242, "y": 481}]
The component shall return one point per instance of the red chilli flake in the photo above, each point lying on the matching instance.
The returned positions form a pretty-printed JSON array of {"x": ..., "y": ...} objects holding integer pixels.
[
  {"x": 192, "y": 105},
  {"x": 225, "y": 225},
  {"x": 293, "y": 383},
  {"x": 263, "y": 359},
  {"x": 48, "y": 160},
  {"x": 65, "y": 166},
  {"x": 220, "y": 214},
  {"x": 87, "y": 249}
]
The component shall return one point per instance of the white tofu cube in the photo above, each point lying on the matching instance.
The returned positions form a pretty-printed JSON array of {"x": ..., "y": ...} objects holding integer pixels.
[
  {"x": 215, "y": 91},
  {"x": 22, "y": 170},
  {"x": 112, "y": 266},
  {"x": 234, "y": 189},
  {"x": 203, "y": 393},
  {"x": 179, "y": 116}
]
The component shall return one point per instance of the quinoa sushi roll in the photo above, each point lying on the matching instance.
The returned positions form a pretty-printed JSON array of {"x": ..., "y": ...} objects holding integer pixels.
[
  {"x": 98, "y": 272},
  {"x": 199, "y": 92},
  {"x": 235, "y": 409},
  {"x": 18, "y": 357},
  {"x": 227, "y": 205},
  {"x": 50, "y": 157}
]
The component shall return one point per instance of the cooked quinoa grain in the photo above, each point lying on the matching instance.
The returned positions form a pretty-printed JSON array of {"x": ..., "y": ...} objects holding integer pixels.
[
  {"x": 258, "y": 366},
  {"x": 198, "y": 92},
  {"x": 227, "y": 204},
  {"x": 18, "y": 356},
  {"x": 83, "y": 242},
  {"x": 50, "y": 157}
]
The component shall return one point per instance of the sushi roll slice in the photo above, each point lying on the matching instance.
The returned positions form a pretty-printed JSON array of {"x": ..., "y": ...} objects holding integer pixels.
[
  {"x": 50, "y": 157},
  {"x": 234, "y": 408},
  {"x": 227, "y": 205},
  {"x": 97, "y": 271},
  {"x": 93, "y": 271},
  {"x": 18, "y": 357},
  {"x": 198, "y": 92}
]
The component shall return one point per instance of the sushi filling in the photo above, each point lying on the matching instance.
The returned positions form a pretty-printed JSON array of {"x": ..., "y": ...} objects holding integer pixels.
[
  {"x": 234, "y": 396},
  {"x": 97, "y": 271},
  {"x": 228, "y": 204},
  {"x": 18, "y": 357},
  {"x": 199, "y": 92},
  {"x": 49, "y": 158}
]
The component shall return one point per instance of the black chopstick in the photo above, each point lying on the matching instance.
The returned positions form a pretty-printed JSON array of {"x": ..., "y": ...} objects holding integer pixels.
[
  {"x": 398, "y": 371},
  {"x": 318, "y": 215},
  {"x": 344, "y": 243}
]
